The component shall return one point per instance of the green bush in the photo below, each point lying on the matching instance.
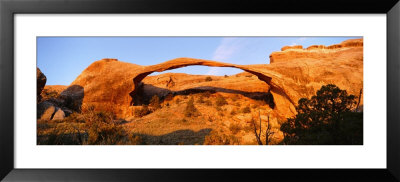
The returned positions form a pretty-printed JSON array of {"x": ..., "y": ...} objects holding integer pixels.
[{"x": 325, "y": 119}]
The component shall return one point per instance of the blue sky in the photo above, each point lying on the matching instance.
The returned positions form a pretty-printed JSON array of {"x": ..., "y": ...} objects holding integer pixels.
[{"x": 62, "y": 59}]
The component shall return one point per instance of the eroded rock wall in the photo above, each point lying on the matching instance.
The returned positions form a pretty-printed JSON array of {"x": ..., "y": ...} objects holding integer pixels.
[{"x": 294, "y": 73}]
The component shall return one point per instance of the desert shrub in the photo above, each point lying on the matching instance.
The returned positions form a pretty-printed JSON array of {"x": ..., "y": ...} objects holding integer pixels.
[
  {"x": 42, "y": 125},
  {"x": 225, "y": 76},
  {"x": 325, "y": 119},
  {"x": 254, "y": 106},
  {"x": 248, "y": 128},
  {"x": 233, "y": 112},
  {"x": 215, "y": 138},
  {"x": 143, "y": 111},
  {"x": 220, "y": 101},
  {"x": 235, "y": 97},
  {"x": 201, "y": 99},
  {"x": 235, "y": 128},
  {"x": 208, "y": 79},
  {"x": 206, "y": 94},
  {"x": 105, "y": 133},
  {"x": 87, "y": 108},
  {"x": 136, "y": 140},
  {"x": 169, "y": 97},
  {"x": 246, "y": 109},
  {"x": 62, "y": 134},
  {"x": 190, "y": 109},
  {"x": 91, "y": 127},
  {"x": 74, "y": 118},
  {"x": 177, "y": 101},
  {"x": 155, "y": 102},
  {"x": 102, "y": 129},
  {"x": 208, "y": 103},
  {"x": 261, "y": 102},
  {"x": 238, "y": 104}
]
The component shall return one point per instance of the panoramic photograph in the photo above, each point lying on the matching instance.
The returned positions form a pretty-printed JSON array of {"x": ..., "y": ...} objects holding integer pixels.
[{"x": 199, "y": 90}]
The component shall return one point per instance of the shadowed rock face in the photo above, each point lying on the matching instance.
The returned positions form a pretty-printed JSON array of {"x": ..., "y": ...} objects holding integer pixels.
[
  {"x": 41, "y": 82},
  {"x": 294, "y": 73}
]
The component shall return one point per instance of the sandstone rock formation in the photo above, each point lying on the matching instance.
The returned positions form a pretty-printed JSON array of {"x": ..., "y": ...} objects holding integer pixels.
[
  {"x": 107, "y": 84},
  {"x": 48, "y": 111},
  {"x": 72, "y": 97},
  {"x": 290, "y": 53},
  {"x": 41, "y": 81},
  {"x": 59, "y": 115},
  {"x": 57, "y": 101},
  {"x": 293, "y": 73}
]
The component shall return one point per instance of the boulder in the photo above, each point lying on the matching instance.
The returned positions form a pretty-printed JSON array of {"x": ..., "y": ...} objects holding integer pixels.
[
  {"x": 59, "y": 115},
  {"x": 48, "y": 113},
  {"x": 67, "y": 112},
  {"x": 72, "y": 97},
  {"x": 42, "y": 107},
  {"x": 41, "y": 82}
]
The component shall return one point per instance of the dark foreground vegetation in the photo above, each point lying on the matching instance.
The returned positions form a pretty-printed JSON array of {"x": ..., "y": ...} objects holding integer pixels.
[
  {"x": 328, "y": 118},
  {"x": 89, "y": 127}
]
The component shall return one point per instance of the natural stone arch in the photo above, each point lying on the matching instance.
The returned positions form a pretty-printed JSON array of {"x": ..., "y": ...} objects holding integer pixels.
[{"x": 183, "y": 62}]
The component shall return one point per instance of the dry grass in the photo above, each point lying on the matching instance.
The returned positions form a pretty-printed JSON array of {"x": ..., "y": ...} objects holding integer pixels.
[{"x": 216, "y": 124}]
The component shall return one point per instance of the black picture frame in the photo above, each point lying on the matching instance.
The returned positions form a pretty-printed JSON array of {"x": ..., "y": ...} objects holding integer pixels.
[{"x": 9, "y": 8}]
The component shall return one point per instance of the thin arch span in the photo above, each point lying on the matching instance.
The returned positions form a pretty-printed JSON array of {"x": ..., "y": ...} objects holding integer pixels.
[{"x": 183, "y": 62}]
